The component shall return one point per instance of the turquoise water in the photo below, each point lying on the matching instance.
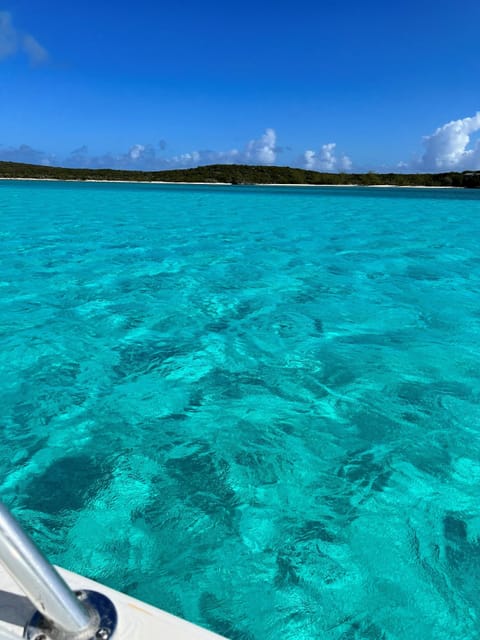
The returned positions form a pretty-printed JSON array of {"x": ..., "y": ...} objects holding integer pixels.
[{"x": 256, "y": 408}]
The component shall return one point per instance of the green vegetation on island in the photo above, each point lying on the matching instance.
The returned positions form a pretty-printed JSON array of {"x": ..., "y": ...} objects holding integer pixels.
[{"x": 238, "y": 174}]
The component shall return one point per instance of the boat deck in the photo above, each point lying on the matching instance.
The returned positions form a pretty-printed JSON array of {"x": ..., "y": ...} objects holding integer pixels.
[{"x": 136, "y": 620}]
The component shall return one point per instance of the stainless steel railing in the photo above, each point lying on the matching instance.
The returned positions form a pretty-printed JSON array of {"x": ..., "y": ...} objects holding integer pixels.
[
  {"x": 37, "y": 578},
  {"x": 58, "y": 608}
]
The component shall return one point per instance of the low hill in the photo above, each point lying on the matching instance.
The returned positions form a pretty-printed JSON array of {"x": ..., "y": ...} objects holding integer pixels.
[{"x": 244, "y": 174}]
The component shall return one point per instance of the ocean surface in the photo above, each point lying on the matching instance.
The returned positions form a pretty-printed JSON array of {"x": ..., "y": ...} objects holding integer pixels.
[{"x": 256, "y": 408}]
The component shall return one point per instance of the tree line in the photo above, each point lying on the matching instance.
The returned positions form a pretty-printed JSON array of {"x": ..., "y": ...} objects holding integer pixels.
[{"x": 238, "y": 174}]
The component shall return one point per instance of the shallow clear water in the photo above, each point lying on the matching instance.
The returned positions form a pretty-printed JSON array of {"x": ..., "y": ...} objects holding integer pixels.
[{"x": 256, "y": 408}]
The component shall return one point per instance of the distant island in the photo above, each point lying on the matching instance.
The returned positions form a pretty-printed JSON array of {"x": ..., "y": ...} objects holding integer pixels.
[{"x": 240, "y": 174}]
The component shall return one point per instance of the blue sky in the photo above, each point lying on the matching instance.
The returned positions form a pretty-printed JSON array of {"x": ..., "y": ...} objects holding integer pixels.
[{"x": 328, "y": 85}]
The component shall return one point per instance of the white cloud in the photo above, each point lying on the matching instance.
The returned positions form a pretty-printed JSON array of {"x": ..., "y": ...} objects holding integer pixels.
[
  {"x": 326, "y": 159},
  {"x": 447, "y": 149},
  {"x": 13, "y": 41},
  {"x": 145, "y": 157},
  {"x": 257, "y": 151},
  {"x": 136, "y": 151},
  {"x": 189, "y": 159},
  {"x": 25, "y": 153},
  {"x": 262, "y": 150},
  {"x": 34, "y": 50},
  {"x": 8, "y": 36}
]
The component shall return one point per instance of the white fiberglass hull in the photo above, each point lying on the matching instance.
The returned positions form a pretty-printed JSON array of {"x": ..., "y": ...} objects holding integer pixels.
[{"x": 136, "y": 620}]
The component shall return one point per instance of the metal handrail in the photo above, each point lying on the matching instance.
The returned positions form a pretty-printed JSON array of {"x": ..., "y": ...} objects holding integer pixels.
[{"x": 44, "y": 587}]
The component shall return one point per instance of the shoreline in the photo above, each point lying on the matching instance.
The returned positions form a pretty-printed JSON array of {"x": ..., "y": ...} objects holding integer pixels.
[{"x": 229, "y": 184}]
